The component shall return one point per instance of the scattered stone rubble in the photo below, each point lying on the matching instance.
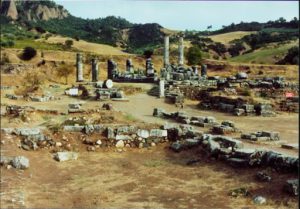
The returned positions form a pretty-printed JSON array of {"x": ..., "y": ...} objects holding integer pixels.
[
  {"x": 181, "y": 117},
  {"x": 33, "y": 98},
  {"x": 131, "y": 136},
  {"x": 75, "y": 108},
  {"x": 43, "y": 98},
  {"x": 259, "y": 200},
  {"x": 65, "y": 156},
  {"x": 231, "y": 151},
  {"x": 31, "y": 138},
  {"x": 226, "y": 127},
  {"x": 262, "y": 136},
  {"x": 236, "y": 106},
  {"x": 100, "y": 90},
  {"x": 290, "y": 146},
  {"x": 14, "y": 97},
  {"x": 182, "y": 137},
  {"x": 16, "y": 111},
  {"x": 107, "y": 106},
  {"x": 130, "y": 74},
  {"x": 5, "y": 87},
  {"x": 263, "y": 176},
  {"x": 292, "y": 187},
  {"x": 18, "y": 162},
  {"x": 290, "y": 104}
]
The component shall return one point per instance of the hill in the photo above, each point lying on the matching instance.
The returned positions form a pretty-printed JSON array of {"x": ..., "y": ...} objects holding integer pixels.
[
  {"x": 271, "y": 53},
  {"x": 24, "y": 22},
  {"x": 81, "y": 45},
  {"x": 23, "y": 11},
  {"x": 226, "y": 38},
  {"x": 48, "y": 16}
]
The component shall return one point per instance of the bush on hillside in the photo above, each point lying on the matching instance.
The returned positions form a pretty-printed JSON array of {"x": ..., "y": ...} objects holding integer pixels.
[
  {"x": 148, "y": 53},
  {"x": 28, "y": 53},
  {"x": 292, "y": 57},
  {"x": 194, "y": 55},
  {"x": 68, "y": 44}
]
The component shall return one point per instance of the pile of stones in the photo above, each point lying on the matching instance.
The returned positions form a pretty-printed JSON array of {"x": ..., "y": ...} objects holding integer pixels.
[
  {"x": 18, "y": 162},
  {"x": 236, "y": 106},
  {"x": 14, "y": 97},
  {"x": 192, "y": 83},
  {"x": 43, "y": 98},
  {"x": 245, "y": 109},
  {"x": 15, "y": 110},
  {"x": 181, "y": 117},
  {"x": 101, "y": 90},
  {"x": 31, "y": 138},
  {"x": 292, "y": 187},
  {"x": 268, "y": 83},
  {"x": 231, "y": 151},
  {"x": 107, "y": 106},
  {"x": 75, "y": 108},
  {"x": 5, "y": 87},
  {"x": 65, "y": 156},
  {"x": 123, "y": 136},
  {"x": 290, "y": 104},
  {"x": 226, "y": 127},
  {"x": 224, "y": 104},
  {"x": 265, "y": 110},
  {"x": 174, "y": 96},
  {"x": 20, "y": 111},
  {"x": 130, "y": 74},
  {"x": 262, "y": 136},
  {"x": 180, "y": 73}
]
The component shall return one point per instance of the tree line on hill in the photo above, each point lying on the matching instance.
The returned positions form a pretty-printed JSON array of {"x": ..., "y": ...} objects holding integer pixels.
[{"x": 137, "y": 38}]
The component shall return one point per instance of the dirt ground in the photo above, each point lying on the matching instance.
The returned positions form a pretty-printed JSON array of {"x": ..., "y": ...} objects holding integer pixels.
[
  {"x": 136, "y": 178},
  {"x": 140, "y": 178},
  {"x": 141, "y": 107}
]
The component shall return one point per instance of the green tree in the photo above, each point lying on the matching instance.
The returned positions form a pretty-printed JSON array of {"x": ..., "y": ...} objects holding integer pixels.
[
  {"x": 194, "y": 55},
  {"x": 292, "y": 57},
  {"x": 68, "y": 44},
  {"x": 148, "y": 53},
  {"x": 28, "y": 53}
]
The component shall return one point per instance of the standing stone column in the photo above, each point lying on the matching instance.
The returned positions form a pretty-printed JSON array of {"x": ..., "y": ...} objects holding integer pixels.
[
  {"x": 195, "y": 70},
  {"x": 180, "y": 50},
  {"x": 166, "y": 51},
  {"x": 94, "y": 70},
  {"x": 149, "y": 67},
  {"x": 203, "y": 71},
  {"x": 129, "y": 66},
  {"x": 79, "y": 68},
  {"x": 111, "y": 69},
  {"x": 161, "y": 88}
]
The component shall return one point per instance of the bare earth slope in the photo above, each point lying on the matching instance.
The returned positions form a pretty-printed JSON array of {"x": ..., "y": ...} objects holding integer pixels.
[
  {"x": 225, "y": 38},
  {"x": 85, "y": 46}
]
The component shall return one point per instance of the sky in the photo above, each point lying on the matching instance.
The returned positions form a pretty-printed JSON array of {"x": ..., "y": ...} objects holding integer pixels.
[{"x": 182, "y": 15}]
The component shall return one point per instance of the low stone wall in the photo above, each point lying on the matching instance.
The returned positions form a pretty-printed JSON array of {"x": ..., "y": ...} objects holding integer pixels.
[
  {"x": 232, "y": 152},
  {"x": 226, "y": 127}
]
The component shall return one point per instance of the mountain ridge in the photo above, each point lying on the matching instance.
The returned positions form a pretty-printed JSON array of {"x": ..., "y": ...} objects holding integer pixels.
[{"x": 32, "y": 10}]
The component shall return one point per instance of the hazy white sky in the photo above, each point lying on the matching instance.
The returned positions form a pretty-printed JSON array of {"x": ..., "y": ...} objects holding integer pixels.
[{"x": 181, "y": 15}]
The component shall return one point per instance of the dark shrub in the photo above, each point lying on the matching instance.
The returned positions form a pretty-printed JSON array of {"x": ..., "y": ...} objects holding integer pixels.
[{"x": 28, "y": 53}]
